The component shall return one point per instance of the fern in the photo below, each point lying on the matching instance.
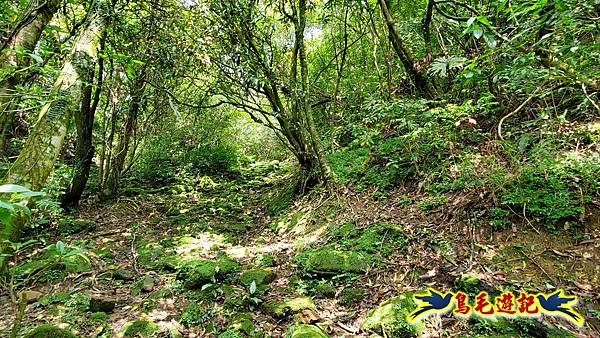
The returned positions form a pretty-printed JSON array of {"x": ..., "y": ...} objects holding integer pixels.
[{"x": 443, "y": 65}]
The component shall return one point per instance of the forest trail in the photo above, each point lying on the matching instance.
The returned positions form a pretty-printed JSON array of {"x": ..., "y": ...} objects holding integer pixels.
[{"x": 141, "y": 240}]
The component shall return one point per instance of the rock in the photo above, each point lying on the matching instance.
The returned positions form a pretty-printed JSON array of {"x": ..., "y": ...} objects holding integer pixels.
[
  {"x": 333, "y": 262},
  {"x": 197, "y": 272},
  {"x": 243, "y": 323},
  {"x": 169, "y": 263},
  {"x": 281, "y": 309},
  {"x": 259, "y": 276},
  {"x": 49, "y": 331},
  {"x": 351, "y": 296},
  {"x": 102, "y": 304},
  {"x": 124, "y": 275},
  {"x": 391, "y": 316},
  {"x": 324, "y": 290},
  {"x": 140, "y": 328},
  {"x": 307, "y": 331},
  {"x": 31, "y": 296},
  {"x": 148, "y": 283}
]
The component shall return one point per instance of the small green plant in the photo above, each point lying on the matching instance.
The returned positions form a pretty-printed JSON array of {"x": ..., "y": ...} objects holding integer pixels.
[
  {"x": 195, "y": 315},
  {"x": 251, "y": 298},
  {"x": 432, "y": 203}
]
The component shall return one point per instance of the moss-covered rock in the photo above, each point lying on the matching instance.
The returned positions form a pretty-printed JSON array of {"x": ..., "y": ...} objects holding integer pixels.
[
  {"x": 391, "y": 316},
  {"x": 323, "y": 290},
  {"x": 195, "y": 273},
  {"x": 281, "y": 309},
  {"x": 69, "y": 226},
  {"x": 243, "y": 323},
  {"x": 351, "y": 296},
  {"x": 259, "y": 276},
  {"x": 140, "y": 328},
  {"x": 49, "y": 331},
  {"x": 331, "y": 262},
  {"x": 306, "y": 331}
]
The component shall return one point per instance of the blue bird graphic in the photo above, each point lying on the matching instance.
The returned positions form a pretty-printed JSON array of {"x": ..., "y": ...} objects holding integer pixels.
[
  {"x": 435, "y": 301},
  {"x": 557, "y": 302}
]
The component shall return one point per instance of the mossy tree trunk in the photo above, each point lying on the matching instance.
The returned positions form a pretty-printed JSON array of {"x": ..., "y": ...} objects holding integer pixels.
[
  {"x": 84, "y": 121},
  {"x": 23, "y": 37},
  {"x": 300, "y": 26},
  {"x": 36, "y": 160}
]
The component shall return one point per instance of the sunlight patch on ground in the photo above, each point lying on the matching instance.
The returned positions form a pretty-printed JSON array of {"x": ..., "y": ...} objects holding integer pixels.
[{"x": 203, "y": 243}]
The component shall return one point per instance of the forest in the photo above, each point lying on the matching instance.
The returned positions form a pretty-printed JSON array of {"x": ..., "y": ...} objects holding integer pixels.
[{"x": 299, "y": 168}]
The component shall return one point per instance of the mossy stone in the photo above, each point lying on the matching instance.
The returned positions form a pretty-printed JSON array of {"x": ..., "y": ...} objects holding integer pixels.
[
  {"x": 391, "y": 316},
  {"x": 70, "y": 226},
  {"x": 49, "y": 331},
  {"x": 280, "y": 309},
  {"x": 332, "y": 262},
  {"x": 243, "y": 323},
  {"x": 307, "y": 331},
  {"x": 259, "y": 276},
  {"x": 195, "y": 273},
  {"x": 324, "y": 291},
  {"x": 351, "y": 296},
  {"x": 140, "y": 328}
]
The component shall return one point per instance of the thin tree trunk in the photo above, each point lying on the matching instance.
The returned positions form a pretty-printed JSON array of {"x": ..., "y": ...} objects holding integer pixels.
[
  {"x": 24, "y": 36},
  {"x": 420, "y": 80},
  {"x": 36, "y": 160},
  {"x": 84, "y": 148},
  {"x": 326, "y": 172},
  {"x": 118, "y": 162}
]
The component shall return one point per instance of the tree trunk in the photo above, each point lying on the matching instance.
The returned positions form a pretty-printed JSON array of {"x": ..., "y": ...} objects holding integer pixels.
[
  {"x": 118, "y": 161},
  {"x": 84, "y": 148},
  {"x": 419, "y": 79},
  {"x": 36, "y": 160},
  {"x": 24, "y": 36},
  {"x": 326, "y": 172}
]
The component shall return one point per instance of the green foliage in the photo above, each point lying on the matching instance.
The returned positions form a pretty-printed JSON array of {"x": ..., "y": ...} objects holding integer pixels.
[
  {"x": 49, "y": 331},
  {"x": 13, "y": 205},
  {"x": 195, "y": 315},
  {"x": 348, "y": 164},
  {"x": 403, "y": 139},
  {"x": 431, "y": 203},
  {"x": 58, "y": 257},
  {"x": 551, "y": 191}
]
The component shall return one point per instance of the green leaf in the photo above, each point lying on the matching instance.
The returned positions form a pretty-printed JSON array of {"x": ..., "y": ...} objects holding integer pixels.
[
  {"x": 6, "y": 205},
  {"x": 253, "y": 287},
  {"x": 483, "y": 20},
  {"x": 12, "y": 188},
  {"x": 477, "y": 33},
  {"x": 471, "y": 21},
  {"x": 490, "y": 40},
  {"x": 37, "y": 58},
  {"x": 60, "y": 246}
]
